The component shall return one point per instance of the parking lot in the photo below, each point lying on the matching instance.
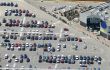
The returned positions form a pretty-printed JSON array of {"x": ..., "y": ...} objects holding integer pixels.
[{"x": 44, "y": 42}]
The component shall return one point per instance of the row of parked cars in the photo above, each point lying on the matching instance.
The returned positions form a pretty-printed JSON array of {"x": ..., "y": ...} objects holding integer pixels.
[
  {"x": 31, "y": 23},
  {"x": 47, "y": 47},
  {"x": 11, "y": 36},
  {"x": 70, "y": 59},
  {"x": 69, "y": 38},
  {"x": 14, "y": 57},
  {"x": 39, "y": 45},
  {"x": 37, "y": 37},
  {"x": 8, "y": 37},
  {"x": 11, "y": 4},
  {"x": 19, "y": 12},
  {"x": 53, "y": 49}
]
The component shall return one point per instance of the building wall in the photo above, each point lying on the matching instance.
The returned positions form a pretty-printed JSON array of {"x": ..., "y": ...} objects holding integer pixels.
[{"x": 105, "y": 35}]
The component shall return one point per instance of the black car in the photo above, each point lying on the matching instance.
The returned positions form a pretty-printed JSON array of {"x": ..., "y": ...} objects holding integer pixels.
[
  {"x": 53, "y": 49},
  {"x": 6, "y": 40},
  {"x": 16, "y": 5},
  {"x": 10, "y": 60},
  {"x": 81, "y": 57},
  {"x": 11, "y": 36},
  {"x": 0, "y": 66},
  {"x": 25, "y": 56},
  {"x": 40, "y": 56},
  {"x": 34, "y": 48},
  {"x": 28, "y": 60},
  {"x": 54, "y": 61},
  {"x": 14, "y": 37},
  {"x": 55, "y": 38},
  {"x": 28, "y": 36},
  {"x": 84, "y": 57},
  {"x": 91, "y": 62},
  {"x": 50, "y": 38},
  {"x": 72, "y": 38},
  {"x": 36, "y": 38},
  {"x": 76, "y": 39},
  {"x": 21, "y": 60},
  {"x": 69, "y": 61},
  {"x": 11, "y": 4},
  {"x": 40, "y": 60},
  {"x": 8, "y": 48},
  {"x": 99, "y": 58},
  {"x": 88, "y": 58},
  {"x": 23, "y": 48},
  {"x": 65, "y": 61},
  {"x": 4, "y": 20}
]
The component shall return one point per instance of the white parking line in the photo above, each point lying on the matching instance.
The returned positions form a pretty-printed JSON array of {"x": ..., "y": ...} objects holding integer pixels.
[
  {"x": 61, "y": 31},
  {"x": 56, "y": 65},
  {"x": 56, "y": 22},
  {"x": 14, "y": 65},
  {"x": 22, "y": 27}
]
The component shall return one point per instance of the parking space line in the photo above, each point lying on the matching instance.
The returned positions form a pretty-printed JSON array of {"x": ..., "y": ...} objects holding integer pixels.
[
  {"x": 14, "y": 65},
  {"x": 56, "y": 22},
  {"x": 56, "y": 65},
  {"x": 22, "y": 27},
  {"x": 61, "y": 31}
]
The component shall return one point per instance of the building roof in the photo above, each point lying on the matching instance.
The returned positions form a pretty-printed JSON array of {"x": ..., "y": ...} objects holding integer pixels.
[{"x": 102, "y": 11}]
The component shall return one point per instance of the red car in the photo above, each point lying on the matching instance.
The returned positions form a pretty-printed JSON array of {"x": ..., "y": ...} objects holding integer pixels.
[
  {"x": 80, "y": 40},
  {"x": 66, "y": 29},
  {"x": 45, "y": 49},
  {"x": 62, "y": 61},
  {"x": 16, "y": 45}
]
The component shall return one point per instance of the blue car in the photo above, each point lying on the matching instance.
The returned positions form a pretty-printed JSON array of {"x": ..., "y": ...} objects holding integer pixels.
[
  {"x": 21, "y": 56},
  {"x": 25, "y": 56}
]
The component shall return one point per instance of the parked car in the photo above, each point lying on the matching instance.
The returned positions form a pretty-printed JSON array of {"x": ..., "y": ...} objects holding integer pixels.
[
  {"x": 64, "y": 45},
  {"x": 53, "y": 49},
  {"x": 21, "y": 60},
  {"x": 66, "y": 29},
  {"x": 16, "y": 60},
  {"x": 6, "y": 56},
  {"x": 28, "y": 59},
  {"x": 25, "y": 56}
]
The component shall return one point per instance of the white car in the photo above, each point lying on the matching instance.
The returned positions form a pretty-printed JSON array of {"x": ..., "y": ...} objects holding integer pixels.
[
  {"x": 59, "y": 46},
  {"x": 8, "y": 48},
  {"x": 76, "y": 57},
  {"x": 12, "y": 48},
  {"x": 13, "y": 55},
  {"x": 37, "y": 30},
  {"x": 16, "y": 59},
  {"x": 27, "y": 44},
  {"x": 49, "y": 49},
  {"x": 58, "y": 49},
  {"x": 6, "y": 56},
  {"x": 64, "y": 45},
  {"x": 19, "y": 48},
  {"x": 12, "y": 44},
  {"x": 7, "y": 65}
]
